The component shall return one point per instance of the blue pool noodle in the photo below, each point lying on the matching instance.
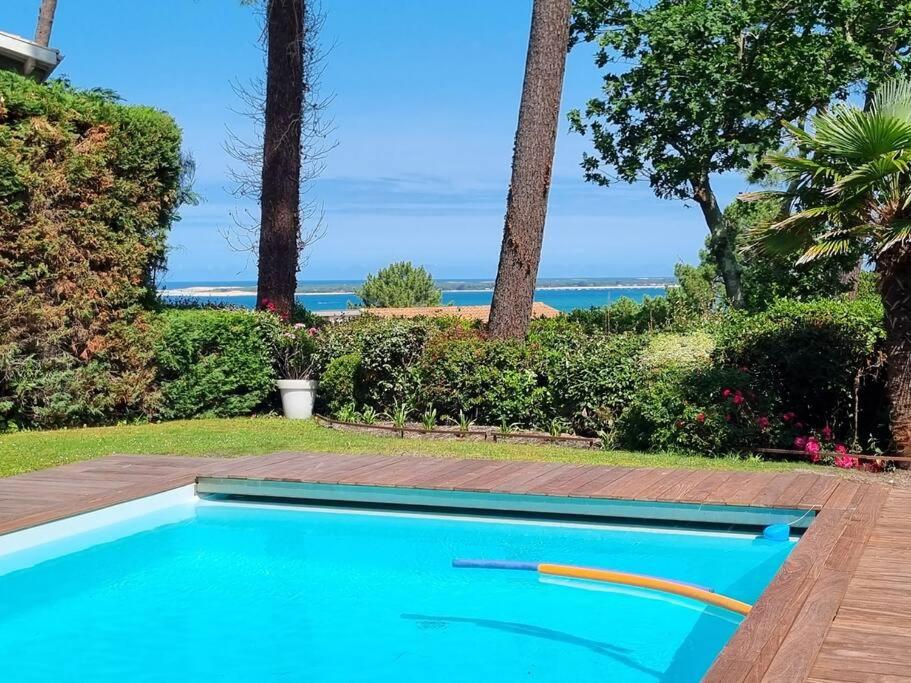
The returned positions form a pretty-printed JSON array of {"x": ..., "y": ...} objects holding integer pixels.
[{"x": 496, "y": 564}]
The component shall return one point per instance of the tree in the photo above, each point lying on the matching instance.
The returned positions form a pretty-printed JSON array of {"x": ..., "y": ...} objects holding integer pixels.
[
  {"x": 45, "y": 22},
  {"x": 286, "y": 153},
  {"x": 708, "y": 81},
  {"x": 279, "y": 232},
  {"x": 533, "y": 154},
  {"x": 399, "y": 285},
  {"x": 851, "y": 191}
]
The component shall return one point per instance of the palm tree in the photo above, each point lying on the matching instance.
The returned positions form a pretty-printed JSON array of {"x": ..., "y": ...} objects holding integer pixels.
[
  {"x": 850, "y": 188},
  {"x": 533, "y": 156}
]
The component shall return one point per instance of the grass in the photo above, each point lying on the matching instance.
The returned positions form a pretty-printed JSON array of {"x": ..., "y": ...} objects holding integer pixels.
[{"x": 34, "y": 450}]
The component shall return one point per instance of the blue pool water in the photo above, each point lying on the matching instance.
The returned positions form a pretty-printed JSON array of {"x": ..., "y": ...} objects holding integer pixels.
[{"x": 269, "y": 593}]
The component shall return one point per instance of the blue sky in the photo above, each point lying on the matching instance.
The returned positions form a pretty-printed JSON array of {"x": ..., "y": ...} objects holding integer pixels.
[{"x": 425, "y": 103}]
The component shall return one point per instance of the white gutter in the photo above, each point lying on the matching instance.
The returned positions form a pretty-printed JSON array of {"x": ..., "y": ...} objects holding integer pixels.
[{"x": 29, "y": 58}]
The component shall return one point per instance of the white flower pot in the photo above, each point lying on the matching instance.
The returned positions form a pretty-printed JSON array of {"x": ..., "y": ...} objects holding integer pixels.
[{"x": 297, "y": 397}]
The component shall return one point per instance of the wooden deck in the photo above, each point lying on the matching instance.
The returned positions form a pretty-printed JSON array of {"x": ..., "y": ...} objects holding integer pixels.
[{"x": 838, "y": 610}]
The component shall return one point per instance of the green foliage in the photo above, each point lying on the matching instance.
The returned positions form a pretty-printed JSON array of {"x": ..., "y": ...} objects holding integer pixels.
[
  {"x": 590, "y": 384},
  {"x": 769, "y": 277},
  {"x": 88, "y": 191},
  {"x": 400, "y": 285},
  {"x": 488, "y": 379},
  {"x": 807, "y": 354},
  {"x": 339, "y": 386},
  {"x": 658, "y": 117},
  {"x": 214, "y": 363},
  {"x": 851, "y": 184}
]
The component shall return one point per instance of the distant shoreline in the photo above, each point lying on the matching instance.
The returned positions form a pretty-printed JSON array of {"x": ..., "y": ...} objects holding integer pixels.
[{"x": 203, "y": 291}]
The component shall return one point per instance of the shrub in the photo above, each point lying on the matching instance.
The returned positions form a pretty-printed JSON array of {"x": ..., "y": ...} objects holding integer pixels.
[
  {"x": 339, "y": 385},
  {"x": 590, "y": 383},
  {"x": 808, "y": 356},
  {"x": 214, "y": 363},
  {"x": 399, "y": 285},
  {"x": 88, "y": 190},
  {"x": 491, "y": 381}
]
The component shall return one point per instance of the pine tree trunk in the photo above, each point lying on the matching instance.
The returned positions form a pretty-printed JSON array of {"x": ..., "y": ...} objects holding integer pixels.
[
  {"x": 721, "y": 243},
  {"x": 45, "y": 22},
  {"x": 895, "y": 288},
  {"x": 533, "y": 156},
  {"x": 280, "y": 198}
]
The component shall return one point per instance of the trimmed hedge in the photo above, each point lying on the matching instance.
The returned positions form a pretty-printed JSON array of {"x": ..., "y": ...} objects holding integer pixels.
[
  {"x": 88, "y": 190},
  {"x": 214, "y": 363}
]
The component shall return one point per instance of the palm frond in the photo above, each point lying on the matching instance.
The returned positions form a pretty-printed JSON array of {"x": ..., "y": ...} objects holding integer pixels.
[
  {"x": 857, "y": 135},
  {"x": 826, "y": 249},
  {"x": 871, "y": 172},
  {"x": 897, "y": 234},
  {"x": 894, "y": 99}
]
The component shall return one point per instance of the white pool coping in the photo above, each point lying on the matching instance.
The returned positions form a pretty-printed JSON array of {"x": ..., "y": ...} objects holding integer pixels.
[{"x": 28, "y": 547}]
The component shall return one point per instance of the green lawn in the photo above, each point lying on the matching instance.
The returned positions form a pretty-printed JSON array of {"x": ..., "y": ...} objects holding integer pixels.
[{"x": 26, "y": 451}]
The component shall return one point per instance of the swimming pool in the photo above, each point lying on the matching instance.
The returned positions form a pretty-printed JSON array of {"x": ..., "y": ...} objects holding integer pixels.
[{"x": 260, "y": 591}]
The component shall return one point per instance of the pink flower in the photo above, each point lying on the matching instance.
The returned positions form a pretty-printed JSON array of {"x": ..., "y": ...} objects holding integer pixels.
[
  {"x": 841, "y": 449},
  {"x": 738, "y": 398},
  {"x": 298, "y": 326},
  {"x": 827, "y": 433},
  {"x": 763, "y": 422},
  {"x": 813, "y": 448},
  {"x": 798, "y": 425},
  {"x": 313, "y": 331},
  {"x": 846, "y": 462},
  {"x": 725, "y": 393},
  {"x": 787, "y": 417},
  {"x": 800, "y": 443},
  {"x": 700, "y": 417}
]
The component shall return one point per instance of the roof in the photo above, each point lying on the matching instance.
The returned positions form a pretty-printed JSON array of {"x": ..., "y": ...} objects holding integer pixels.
[
  {"x": 27, "y": 57},
  {"x": 538, "y": 310}
]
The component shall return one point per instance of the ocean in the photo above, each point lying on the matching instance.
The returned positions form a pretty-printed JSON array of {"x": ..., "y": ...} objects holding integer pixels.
[{"x": 338, "y": 295}]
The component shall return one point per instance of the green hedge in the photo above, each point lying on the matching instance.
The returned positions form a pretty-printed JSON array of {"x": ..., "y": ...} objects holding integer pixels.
[
  {"x": 214, "y": 363},
  {"x": 88, "y": 190},
  {"x": 723, "y": 386}
]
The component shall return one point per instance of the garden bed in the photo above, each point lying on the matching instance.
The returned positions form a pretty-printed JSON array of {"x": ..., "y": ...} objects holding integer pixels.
[{"x": 475, "y": 433}]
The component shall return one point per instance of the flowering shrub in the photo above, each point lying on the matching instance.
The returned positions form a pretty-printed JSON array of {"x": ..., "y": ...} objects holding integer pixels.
[{"x": 295, "y": 351}]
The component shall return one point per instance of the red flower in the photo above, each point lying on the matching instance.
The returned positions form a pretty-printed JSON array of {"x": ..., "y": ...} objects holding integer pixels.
[
  {"x": 725, "y": 393},
  {"x": 313, "y": 331},
  {"x": 841, "y": 449},
  {"x": 798, "y": 425},
  {"x": 813, "y": 448},
  {"x": 787, "y": 417},
  {"x": 846, "y": 462},
  {"x": 827, "y": 433},
  {"x": 700, "y": 417},
  {"x": 738, "y": 398},
  {"x": 800, "y": 443},
  {"x": 763, "y": 422}
]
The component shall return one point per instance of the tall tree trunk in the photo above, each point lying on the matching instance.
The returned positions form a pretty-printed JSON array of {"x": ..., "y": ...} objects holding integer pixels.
[
  {"x": 895, "y": 288},
  {"x": 45, "y": 22},
  {"x": 280, "y": 194},
  {"x": 721, "y": 241},
  {"x": 533, "y": 156}
]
